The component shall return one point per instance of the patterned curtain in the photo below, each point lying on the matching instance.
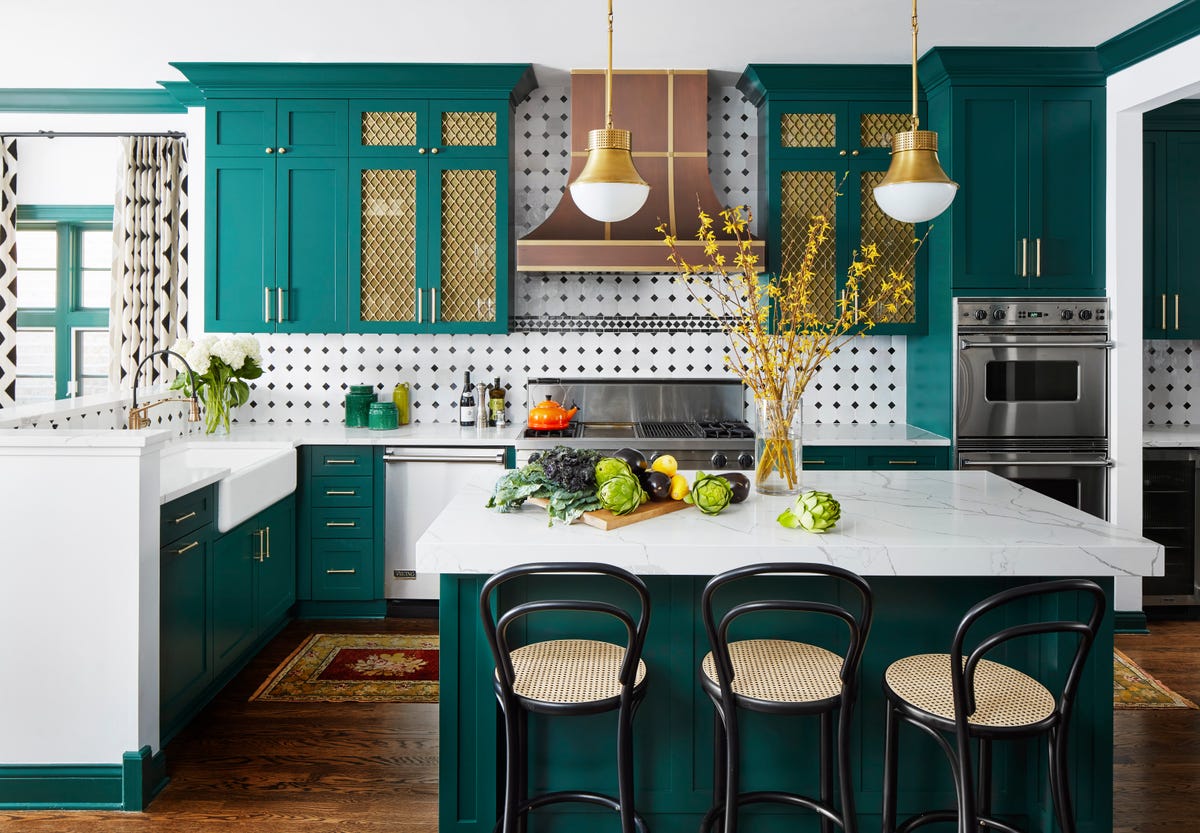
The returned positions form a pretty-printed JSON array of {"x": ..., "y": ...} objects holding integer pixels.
[
  {"x": 149, "y": 297},
  {"x": 8, "y": 272}
]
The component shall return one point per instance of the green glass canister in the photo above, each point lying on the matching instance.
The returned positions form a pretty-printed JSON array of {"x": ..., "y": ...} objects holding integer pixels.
[
  {"x": 400, "y": 398},
  {"x": 357, "y": 407},
  {"x": 382, "y": 416}
]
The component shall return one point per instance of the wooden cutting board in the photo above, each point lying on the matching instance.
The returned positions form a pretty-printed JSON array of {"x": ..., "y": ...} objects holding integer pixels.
[{"x": 603, "y": 519}]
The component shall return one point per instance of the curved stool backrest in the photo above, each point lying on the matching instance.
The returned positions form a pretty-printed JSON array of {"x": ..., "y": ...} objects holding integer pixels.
[
  {"x": 496, "y": 626},
  {"x": 858, "y": 625},
  {"x": 962, "y": 675}
]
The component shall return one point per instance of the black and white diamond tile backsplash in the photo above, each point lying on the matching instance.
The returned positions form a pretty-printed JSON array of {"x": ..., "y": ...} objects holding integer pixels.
[
  {"x": 1171, "y": 382},
  {"x": 115, "y": 416}
]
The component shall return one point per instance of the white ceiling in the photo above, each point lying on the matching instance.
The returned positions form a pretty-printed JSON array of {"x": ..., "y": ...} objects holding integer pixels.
[{"x": 82, "y": 43}]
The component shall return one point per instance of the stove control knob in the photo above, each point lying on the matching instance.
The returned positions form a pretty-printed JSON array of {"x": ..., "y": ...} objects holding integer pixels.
[
  {"x": 981, "y": 315},
  {"x": 719, "y": 460},
  {"x": 745, "y": 460},
  {"x": 1067, "y": 315},
  {"x": 999, "y": 315},
  {"x": 1085, "y": 315}
]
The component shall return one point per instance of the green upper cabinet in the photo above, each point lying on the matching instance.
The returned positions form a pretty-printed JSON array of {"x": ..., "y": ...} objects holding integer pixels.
[
  {"x": 1171, "y": 160},
  {"x": 358, "y": 197},
  {"x": 821, "y": 127},
  {"x": 1022, "y": 132}
]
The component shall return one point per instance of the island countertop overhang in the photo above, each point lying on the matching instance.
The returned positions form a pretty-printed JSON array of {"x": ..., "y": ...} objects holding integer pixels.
[{"x": 928, "y": 523}]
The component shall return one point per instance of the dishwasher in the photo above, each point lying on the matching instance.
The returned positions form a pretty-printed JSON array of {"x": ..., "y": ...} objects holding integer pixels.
[{"x": 419, "y": 482}]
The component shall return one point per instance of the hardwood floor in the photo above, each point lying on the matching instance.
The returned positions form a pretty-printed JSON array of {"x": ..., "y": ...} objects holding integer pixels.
[{"x": 365, "y": 768}]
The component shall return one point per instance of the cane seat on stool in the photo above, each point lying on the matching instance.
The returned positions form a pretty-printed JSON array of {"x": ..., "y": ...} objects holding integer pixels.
[
  {"x": 566, "y": 677},
  {"x": 785, "y": 677},
  {"x": 982, "y": 700}
]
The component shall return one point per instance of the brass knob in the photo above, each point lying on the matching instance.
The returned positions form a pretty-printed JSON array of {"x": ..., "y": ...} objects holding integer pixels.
[
  {"x": 283, "y": 150},
  {"x": 435, "y": 150},
  {"x": 270, "y": 150},
  {"x": 841, "y": 153},
  {"x": 420, "y": 150},
  {"x": 854, "y": 153}
]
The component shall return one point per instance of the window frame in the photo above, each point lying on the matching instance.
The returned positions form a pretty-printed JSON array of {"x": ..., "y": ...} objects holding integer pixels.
[{"x": 68, "y": 315}]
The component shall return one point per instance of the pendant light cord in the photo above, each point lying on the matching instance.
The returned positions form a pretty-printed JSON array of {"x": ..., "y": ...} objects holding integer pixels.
[
  {"x": 916, "y": 121},
  {"x": 608, "y": 74}
]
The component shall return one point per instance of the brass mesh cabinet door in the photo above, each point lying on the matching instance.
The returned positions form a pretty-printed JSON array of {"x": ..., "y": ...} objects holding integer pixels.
[
  {"x": 895, "y": 242},
  {"x": 388, "y": 128},
  {"x": 469, "y": 130},
  {"x": 387, "y": 251},
  {"x": 803, "y": 195},
  {"x": 473, "y": 267}
]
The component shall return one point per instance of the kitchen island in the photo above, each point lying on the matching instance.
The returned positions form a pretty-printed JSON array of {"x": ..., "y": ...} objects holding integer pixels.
[{"x": 930, "y": 543}]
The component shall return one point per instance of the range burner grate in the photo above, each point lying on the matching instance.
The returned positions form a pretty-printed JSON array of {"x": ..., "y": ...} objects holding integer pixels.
[
  {"x": 731, "y": 430},
  {"x": 567, "y": 433},
  {"x": 667, "y": 430}
]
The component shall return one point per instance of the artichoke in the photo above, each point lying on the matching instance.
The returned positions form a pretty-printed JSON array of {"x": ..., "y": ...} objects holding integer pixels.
[
  {"x": 609, "y": 467},
  {"x": 621, "y": 494},
  {"x": 813, "y": 512},
  {"x": 711, "y": 493}
]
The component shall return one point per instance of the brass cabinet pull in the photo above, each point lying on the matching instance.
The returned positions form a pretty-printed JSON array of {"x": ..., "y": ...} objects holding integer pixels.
[
  {"x": 841, "y": 153},
  {"x": 856, "y": 305},
  {"x": 1037, "y": 255},
  {"x": 187, "y": 547},
  {"x": 340, "y": 572},
  {"x": 267, "y": 304},
  {"x": 813, "y": 462},
  {"x": 183, "y": 518},
  {"x": 420, "y": 303},
  {"x": 433, "y": 305},
  {"x": 268, "y": 542},
  {"x": 420, "y": 150},
  {"x": 341, "y": 523},
  {"x": 270, "y": 150},
  {"x": 340, "y": 462},
  {"x": 1176, "y": 310},
  {"x": 854, "y": 153},
  {"x": 341, "y": 492},
  {"x": 1024, "y": 257},
  {"x": 902, "y": 462},
  {"x": 1164, "y": 310},
  {"x": 283, "y": 150},
  {"x": 433, "y": 150},
  {"x": 281, "y": 305},
  {"x": 260, "y": 534}
]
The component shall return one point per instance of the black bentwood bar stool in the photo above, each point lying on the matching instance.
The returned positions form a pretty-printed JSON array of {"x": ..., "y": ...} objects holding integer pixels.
[
  {"x": 983, "y": 700},
  {"x": 566, "y": 677},
  {"x": 781, "y": 676}
]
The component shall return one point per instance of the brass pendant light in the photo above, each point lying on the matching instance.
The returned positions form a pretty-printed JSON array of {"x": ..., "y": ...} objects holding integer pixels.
[
  {"x": 915, "y": 189},
  {"x": 609, "y": 188}
]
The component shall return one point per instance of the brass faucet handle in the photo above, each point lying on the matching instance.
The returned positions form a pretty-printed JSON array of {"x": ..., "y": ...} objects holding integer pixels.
[{"x": 194, "y": 411}]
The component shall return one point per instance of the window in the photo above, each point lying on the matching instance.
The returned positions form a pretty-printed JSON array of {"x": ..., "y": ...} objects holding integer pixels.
[{"x": 64, "y": 275}]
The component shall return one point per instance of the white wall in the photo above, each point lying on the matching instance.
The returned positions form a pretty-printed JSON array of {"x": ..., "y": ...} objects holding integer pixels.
[
  {"x": 1158, "y": 80},
  {"x": 79, "y": 599}
]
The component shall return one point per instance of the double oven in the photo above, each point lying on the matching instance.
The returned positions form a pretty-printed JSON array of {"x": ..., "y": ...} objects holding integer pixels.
[{"x": 1031, "y": 394}]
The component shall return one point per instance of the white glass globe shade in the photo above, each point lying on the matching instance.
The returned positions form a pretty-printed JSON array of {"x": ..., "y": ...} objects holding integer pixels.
[
  {"x": 609, "y": 202},
  {"x": 915, "y": 202}
]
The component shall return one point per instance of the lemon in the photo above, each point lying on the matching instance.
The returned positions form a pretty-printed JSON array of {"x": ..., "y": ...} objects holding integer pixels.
[
  {"x": 679, "y": 487},
  {"x": 666, "y": 464}
]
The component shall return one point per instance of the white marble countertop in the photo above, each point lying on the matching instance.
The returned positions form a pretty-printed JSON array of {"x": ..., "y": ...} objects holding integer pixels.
[
  {"x": 929, "y": 523},
  {"x": 824, "y": 433},
  {"x": 1171, "y": 436},
  {"x": 304, "y": 433}
]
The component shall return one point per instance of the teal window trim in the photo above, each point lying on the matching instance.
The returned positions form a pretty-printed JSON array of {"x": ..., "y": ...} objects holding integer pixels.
[
  {"x": 68, "y": 315},
  {"x": 88, "y": 100}
]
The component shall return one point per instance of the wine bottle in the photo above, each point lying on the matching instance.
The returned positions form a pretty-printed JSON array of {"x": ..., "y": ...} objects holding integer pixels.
[
  {"x": 466, "y": 403},
  {"x": 496, "y": 403}
]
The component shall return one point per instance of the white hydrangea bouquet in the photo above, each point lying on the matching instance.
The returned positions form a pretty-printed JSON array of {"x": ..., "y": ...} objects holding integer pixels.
[{"x": 222, "y": 366}]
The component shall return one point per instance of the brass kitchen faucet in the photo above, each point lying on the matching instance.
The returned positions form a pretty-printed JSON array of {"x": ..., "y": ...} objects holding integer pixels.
[{"x": 137, "y": 414}]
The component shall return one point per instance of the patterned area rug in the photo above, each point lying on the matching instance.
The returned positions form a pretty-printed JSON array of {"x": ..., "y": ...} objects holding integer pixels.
[
  {"x": 364, "y": 668},
  {"x": 1133, "y": 688}
]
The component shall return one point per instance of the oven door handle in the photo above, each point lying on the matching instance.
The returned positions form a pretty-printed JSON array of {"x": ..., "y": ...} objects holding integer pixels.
[
  {"x": 496, "y": 457},
  {"x": 963, "y": 344},
  {"x": 1096, "y": 464}
]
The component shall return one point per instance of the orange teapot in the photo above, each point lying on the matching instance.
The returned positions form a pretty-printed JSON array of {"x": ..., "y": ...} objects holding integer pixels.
[{"x": 550, "y": 416}]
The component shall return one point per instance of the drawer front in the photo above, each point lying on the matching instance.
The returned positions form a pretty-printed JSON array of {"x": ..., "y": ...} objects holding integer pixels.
[
  {"x": 341, "y": 460},
  {"x": 828, "y": 458},
  {"x": 901, "y": 458},
  {"x": 186, "y": 514},
  {"x": 348, "y": 522},
  {"x": 342, "y": 570},
  {"x": 342, "y": 491}
]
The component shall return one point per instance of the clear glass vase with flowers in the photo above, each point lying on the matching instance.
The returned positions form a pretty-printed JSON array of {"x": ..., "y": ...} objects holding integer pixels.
[
  {"x": 778, "y": 334},
  {"x": 222, "y": 367}
]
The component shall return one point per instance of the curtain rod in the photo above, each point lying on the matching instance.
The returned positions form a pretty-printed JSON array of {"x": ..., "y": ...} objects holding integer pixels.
[{"x": 79, "y": 134}]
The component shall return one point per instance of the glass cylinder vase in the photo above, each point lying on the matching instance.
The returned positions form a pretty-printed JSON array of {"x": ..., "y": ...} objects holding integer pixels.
[
  {"x": 217, "y": 405},
  {"x": 778, "y": 456}
]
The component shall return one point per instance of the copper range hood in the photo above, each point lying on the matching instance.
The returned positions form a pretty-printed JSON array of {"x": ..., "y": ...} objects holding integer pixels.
[{"x": 667, "y": 113}]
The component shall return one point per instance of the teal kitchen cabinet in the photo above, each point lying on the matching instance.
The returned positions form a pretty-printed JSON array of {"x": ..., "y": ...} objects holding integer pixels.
[
  {"x": 417, "y": 127},
  {"x": 275, "y": 244},
  {"x": 271, "y": 127},
  {"x": 340, "y": 547},
  {"x": 826, "y": 130},
  {"x": 1171, "y": 281},
  {"x": 1022, "y": 132},
  {"x": 275, "y": 590},
  {"x": 875, "y": 457}
]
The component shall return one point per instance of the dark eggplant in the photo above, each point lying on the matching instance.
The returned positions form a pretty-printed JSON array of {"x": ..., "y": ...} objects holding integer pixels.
[
  {"x": 635, "y": 459},
  {"x": 740, "y": 484},
  {"x": 656, "y": 484}
]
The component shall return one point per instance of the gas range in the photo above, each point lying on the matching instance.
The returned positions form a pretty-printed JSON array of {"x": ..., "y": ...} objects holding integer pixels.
[{"x": 699, "y": 423}]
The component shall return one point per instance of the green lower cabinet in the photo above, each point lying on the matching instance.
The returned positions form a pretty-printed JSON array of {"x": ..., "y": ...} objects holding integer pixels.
[
  {"x": 185, "y": 669},
  {"x": 234, "y": 555},
  {"x": 276, "y": 587},
  {"x": 846, "y": 458}
]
